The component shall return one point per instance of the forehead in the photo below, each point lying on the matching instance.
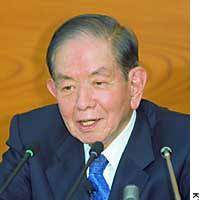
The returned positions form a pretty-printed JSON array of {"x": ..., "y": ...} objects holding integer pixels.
[{"x": 83, "y": 54}]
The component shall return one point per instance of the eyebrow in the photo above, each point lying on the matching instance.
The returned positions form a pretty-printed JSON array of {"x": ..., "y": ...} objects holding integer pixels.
[
  {"x": 60, "y": 77},
  {"x": 101, "y": 71}
]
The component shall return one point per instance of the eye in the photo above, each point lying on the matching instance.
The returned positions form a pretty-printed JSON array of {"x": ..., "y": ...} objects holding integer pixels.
[
  {"x": 68, "y": 89},
  {"x": 100, "y": 84}
]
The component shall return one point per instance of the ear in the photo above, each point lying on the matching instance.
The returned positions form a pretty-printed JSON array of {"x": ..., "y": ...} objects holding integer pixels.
[
  {"x": 51, "y": 87},
  {"x": 137, "y": 80}
]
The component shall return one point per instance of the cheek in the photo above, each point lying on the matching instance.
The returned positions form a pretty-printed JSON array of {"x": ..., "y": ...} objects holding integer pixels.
[
  {"x": 66, "y": 108},
  {"x": 115, "y": 103},
  {"x": 117, "y": 108}
]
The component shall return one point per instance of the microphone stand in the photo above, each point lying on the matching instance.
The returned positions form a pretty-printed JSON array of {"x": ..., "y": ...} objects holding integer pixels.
[
  {"x": 95, "y": 151},
  {"x": 78, "y": 180},
  {"x": 28, "y": 153},
  {"x": 166, "y": 153}
]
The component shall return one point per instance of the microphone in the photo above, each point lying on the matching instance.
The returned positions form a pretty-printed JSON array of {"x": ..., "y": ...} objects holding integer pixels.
[
  {"x": 166, "y": 153},
  {"x": 95, "y": 151},
  {"x": 88, "y": 185},
  {"x": 30, "y": 152},
  {"x": 131, "y": 192}
]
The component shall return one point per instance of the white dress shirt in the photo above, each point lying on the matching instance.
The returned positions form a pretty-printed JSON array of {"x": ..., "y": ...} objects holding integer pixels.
[{"x": 114, "y": 151}]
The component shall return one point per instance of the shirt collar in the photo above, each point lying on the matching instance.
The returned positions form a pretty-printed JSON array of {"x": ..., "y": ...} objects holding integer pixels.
[{"x": 115, "y": 150}]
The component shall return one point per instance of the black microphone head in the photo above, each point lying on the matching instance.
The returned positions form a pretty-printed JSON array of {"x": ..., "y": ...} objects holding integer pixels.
[{"x": 96, "y": 149}]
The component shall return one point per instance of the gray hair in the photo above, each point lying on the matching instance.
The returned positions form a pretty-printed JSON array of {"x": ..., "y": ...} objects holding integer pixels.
[{"x": 124, "y": 43}]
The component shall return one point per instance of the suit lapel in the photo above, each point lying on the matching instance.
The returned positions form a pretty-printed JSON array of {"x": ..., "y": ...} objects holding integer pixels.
[
  {"x": 137, "y": 155},
  {"x": 66, "y": 165}
]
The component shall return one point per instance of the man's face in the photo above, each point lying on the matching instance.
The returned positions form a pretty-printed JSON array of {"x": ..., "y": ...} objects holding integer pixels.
[{"x": 93, "y": 97}]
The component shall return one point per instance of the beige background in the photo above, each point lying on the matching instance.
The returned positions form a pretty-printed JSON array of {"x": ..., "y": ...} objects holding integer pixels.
[{"x": 26, "y": 27}]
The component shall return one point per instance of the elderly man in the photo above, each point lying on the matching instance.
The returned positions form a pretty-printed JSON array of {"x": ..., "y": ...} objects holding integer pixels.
[{"x": 98, "y": 84}]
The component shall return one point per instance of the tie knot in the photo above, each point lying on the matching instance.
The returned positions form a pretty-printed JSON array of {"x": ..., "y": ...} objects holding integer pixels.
[{"x": 98, "y": 165}]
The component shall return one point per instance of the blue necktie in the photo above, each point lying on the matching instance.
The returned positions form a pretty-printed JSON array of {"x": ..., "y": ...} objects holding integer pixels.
[{"x": 101, "y": 188}]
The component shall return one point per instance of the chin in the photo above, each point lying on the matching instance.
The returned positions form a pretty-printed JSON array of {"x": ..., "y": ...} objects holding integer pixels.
[{"x": 91, "y": 140}]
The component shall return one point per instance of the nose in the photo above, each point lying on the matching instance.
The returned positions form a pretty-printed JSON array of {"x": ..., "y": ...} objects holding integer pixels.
[{"x": 85, "y": 98}]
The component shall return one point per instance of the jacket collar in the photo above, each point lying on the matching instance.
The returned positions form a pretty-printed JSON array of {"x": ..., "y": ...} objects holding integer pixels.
[
  {"x": 136, "y": 157},
  {"x": 65, "y": 167}
]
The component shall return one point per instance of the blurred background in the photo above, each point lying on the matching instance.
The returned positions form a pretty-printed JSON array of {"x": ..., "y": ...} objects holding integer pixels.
[{"x": 26, "y": 27}]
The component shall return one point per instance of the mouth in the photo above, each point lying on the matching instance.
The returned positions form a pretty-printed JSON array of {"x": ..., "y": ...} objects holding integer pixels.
[{"x": 87, "y": 125}]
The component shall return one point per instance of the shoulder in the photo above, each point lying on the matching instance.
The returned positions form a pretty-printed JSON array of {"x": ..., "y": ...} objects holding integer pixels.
[
  {"x": 38, "y": 118},
  {"x": 39, "y": 126},
  {"x": 156, "y": 114},
  {"x": 169, "y": 128},
  {"x": 40, "y": 112}
]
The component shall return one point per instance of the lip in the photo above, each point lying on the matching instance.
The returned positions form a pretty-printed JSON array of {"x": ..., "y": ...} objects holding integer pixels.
[{"x": 89, "y": 127}]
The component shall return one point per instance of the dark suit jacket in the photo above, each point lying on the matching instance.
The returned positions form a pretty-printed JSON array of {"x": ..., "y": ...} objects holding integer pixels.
[{"x": 52, "y": 171}]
